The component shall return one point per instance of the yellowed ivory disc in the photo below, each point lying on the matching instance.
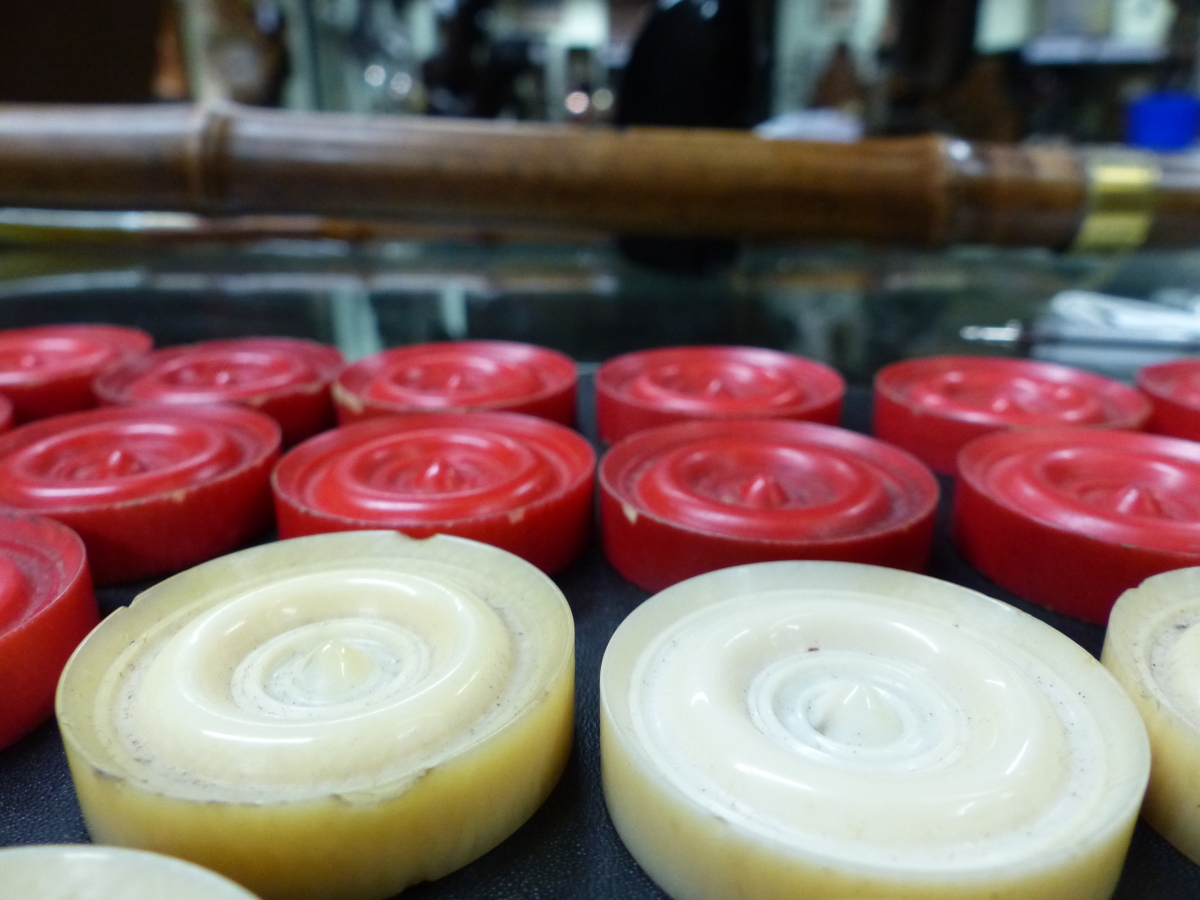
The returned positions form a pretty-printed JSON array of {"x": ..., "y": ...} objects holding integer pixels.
[
  {"x": 92, "y": 872},
  {"x": 331, "y": 717},
  {"x": 1152, "y": 647},
  {"x": 829, "y": 730}
]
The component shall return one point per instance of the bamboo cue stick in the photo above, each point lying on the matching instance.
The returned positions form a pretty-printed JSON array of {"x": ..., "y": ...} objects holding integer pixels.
[{"x": 227, "y": 160}]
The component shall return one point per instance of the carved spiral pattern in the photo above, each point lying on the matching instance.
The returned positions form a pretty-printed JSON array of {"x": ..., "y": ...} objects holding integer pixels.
[
  {"x": 786, "y": 481},
  {"x": 458, "y": 375},
  {"x": 432, "y": 469},
  {"x": 870, "y": 723},
  {"x": 37, "y": 354},
  {"x": 934, "y": 407},
  {"x": 701, "y": 387},
  {"x": 774, "y": 491},
  {"x": 405, "y": 703},
  {"x": 293, "y": 689},
  {"x": 221, "y": 370},
  {"x": 329, "y": 681},
  {"x": 729, "y": 380},
  {"x": 1010, "y": 393},
  {"x": 991, "y": 397},
  {"x": 436, "y": 382},
  {"x": 1118, "y": 487},
  {"x": 518, "y": 482},
  {"x": 656, "y": 387},
  {"x": 111, "y": 455},
  {"x": 19, "y": 361}
]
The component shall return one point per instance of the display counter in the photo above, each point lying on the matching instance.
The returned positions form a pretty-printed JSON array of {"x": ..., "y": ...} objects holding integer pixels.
[{"x": 856, "y": 309}]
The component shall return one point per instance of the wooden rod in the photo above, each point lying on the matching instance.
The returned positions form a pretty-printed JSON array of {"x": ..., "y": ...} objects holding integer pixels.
[{"x": 225, "y": 160}]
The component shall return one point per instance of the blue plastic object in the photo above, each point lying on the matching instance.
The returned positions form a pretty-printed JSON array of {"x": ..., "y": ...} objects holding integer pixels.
[{"x": 1164, "y": 121}]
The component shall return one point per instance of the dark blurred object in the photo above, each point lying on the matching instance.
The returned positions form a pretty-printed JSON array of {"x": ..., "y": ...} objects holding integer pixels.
[
  {"x": 932, "y": 54},
  {"x": 1080, "y": 103},
  {"x": 170, "y": 73},
  {"x": 470, "y": 75},
  {"x": 839, "y": 86},
  {"x": 237, "y": 50},
  {"x": 982, "y": 105},
  {"x": 696, "y": 64},
  {"x": 529, "y": 59},
  {"x": 78, "y": 51}
]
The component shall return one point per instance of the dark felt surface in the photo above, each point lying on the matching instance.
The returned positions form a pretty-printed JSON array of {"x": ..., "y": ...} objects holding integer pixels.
[{"x": 569, "y": 848}]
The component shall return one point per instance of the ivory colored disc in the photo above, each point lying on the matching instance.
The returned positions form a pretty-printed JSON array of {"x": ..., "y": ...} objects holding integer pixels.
[
  {"x": 331, "y": 717},
  {"x": 91, "y": 872},
  {"x": 1152, "y": 647},
  {"x": 832, "y": 730}
]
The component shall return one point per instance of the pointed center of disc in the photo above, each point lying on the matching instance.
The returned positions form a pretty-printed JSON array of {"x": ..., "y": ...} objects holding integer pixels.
[
  {"x": 764, "y": 492},
  {"x": 855, "y": 714},
  {"x": 717, "y": 388},
  {"x": 441, "y": 477},
  {"x": 1135, "y": 501},
  {"x": 335, "y": 670}
]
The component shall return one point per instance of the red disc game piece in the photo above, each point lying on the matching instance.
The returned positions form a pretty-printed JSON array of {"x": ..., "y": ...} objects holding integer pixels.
[
  {"x": 1071, "y": 518},
  {"x": 1174, "y": 392},
  {"x": 46, "y": 609},
  {"x": 150, "y": 489},
  {"x": 683, "y": 499},
  {"x": 457, "y": 376},
  {"x": 288, "y": 379},
  {"x": 678, "y": 384},
  {"x": 517, "y": 482},
  {"x": 48, "y": 370},
  {"x": 931, "y": 407}
]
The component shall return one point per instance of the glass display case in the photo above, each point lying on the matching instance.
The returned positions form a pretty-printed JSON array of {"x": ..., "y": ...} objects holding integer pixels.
[{"x": 853, "y": 307}]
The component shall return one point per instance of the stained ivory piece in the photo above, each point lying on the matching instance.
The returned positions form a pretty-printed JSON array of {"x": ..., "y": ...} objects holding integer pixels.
[
  {"x": 1152, "y": 646},
  {"x": 331, "y": 717},
  {"x": 831, "y": 730},
  {"x": 89, "y": 872}
]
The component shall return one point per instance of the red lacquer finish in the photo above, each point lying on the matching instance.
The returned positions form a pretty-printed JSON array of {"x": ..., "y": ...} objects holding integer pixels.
[
  {"x": 458, "y": 376},
  {"x": 6, "y": 413},
  {"x": 46, "y": 609},
  {"x": 288, "y": 379},
  {"x": 933, "y": 406},
  {"x": 1174, "y": 392},
  {"x": 678, "y": 384},
  {"x": 1071, "y": 518},
  {"x": 517, "y": 482},
  {"x": 150, "y": 489},
  {"x": 680, "y": 500},
  {"x": 48, "y": 370}
]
